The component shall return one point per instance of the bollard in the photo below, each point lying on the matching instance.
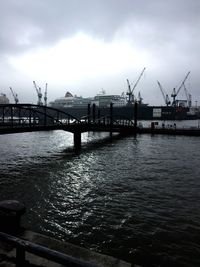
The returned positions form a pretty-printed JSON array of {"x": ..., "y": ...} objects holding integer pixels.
[{"x": 10, "y": 215}]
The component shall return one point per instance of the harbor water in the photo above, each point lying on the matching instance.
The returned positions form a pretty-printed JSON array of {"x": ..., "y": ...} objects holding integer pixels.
[{"x": 136, "y": 198}]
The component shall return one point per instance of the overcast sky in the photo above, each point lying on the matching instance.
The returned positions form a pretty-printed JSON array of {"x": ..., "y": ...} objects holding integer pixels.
[{"x": 83, "y": 46}]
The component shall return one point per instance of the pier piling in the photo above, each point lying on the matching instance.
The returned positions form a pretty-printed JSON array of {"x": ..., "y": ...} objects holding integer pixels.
[{"x": 77, "y": 140}]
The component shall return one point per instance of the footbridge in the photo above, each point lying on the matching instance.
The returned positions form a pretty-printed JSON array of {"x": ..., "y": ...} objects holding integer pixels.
[{"x": 17, "y": 118}]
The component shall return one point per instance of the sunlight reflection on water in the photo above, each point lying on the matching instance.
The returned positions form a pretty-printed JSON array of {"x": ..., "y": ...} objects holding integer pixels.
[{"x": 127, "y": 197}]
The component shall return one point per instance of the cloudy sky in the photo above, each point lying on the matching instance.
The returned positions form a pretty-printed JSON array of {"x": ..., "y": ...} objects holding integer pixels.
[{"x": 83, "y": 46}]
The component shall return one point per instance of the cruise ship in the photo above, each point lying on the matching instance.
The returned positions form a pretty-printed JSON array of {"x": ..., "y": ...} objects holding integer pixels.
[
  {"x": 100, "y": 100},
  {"x": 77, "y": 106},
  {"x": 70, "y": 101}
]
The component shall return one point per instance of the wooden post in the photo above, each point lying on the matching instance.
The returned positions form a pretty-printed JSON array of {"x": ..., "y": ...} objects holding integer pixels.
[{"x": 77, "y": 140}]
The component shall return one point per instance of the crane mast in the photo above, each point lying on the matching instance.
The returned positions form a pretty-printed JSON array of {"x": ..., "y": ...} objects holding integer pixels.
[
  {"x": 130, "y": 94},
  {"x": 39, "y": 94},
  {"x": 14, "y": 96},
  {"x": 175, "y": 93},
  {"x": 165, "y": 96}
]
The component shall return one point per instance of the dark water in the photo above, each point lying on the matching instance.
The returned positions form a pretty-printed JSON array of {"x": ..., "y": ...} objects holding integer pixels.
[{"x": 136, "y": 198}]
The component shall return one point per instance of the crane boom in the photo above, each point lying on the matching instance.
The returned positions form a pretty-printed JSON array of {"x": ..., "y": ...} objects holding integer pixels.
[
  {"x": 165, "y": 96},
  {"x": 161, "y": 89},
  {"x": 14, "y": 96},
  {"x": 34, "y": 83},
  {"x": 138, "y": 79},
  {"x": 182, "y": 83}
]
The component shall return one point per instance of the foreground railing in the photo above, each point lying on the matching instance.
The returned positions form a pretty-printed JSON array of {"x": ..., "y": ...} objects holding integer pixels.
[{"x": 23, "y": 246}]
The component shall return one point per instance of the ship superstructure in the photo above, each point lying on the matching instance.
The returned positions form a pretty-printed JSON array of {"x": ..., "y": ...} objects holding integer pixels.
[{"x": 70, "y": 101}]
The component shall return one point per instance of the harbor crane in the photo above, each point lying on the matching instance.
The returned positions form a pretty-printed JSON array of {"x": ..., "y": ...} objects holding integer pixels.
[
  {"x": 175, "y": 93},
  {"x": 15, "y": 96},
  {"x": 165, "y": 96},
  {"x": 130, "y": 94},
  {"x": 39, "y": 94},
  {"x": 45, "y": 95}
]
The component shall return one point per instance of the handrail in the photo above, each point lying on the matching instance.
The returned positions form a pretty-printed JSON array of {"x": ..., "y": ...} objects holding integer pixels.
[{"x": 23, "y": 246}]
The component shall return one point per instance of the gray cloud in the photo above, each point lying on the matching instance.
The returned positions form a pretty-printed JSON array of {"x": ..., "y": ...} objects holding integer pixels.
[
  {"x": 166, "y": 30},
  {"x": 27, "y": 23}
]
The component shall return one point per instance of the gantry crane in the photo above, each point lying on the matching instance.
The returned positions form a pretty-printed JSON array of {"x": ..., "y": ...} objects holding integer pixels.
[
  {"x": 175, "y": 93},
  {"x": 130, "y": 94},
  {"x": 15, "y": 96},
  {"x": 39, "y": 94},
  {"x": 165, "y": 96}
]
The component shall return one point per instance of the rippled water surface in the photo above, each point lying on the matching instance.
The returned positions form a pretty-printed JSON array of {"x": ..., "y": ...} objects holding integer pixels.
[{"x": 136, "y": 198}]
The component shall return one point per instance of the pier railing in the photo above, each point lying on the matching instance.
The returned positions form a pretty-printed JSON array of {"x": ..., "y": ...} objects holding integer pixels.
[
  {"x": 23, "y": 246},
  {"x": 23, "y": 115}
]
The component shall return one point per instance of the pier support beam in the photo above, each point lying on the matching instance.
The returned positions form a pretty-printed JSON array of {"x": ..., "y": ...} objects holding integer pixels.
[{"x": 77, "y": 140}]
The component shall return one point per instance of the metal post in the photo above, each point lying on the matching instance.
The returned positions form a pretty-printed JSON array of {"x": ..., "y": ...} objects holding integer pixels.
[
  {"x": 88, "y": 113},
  {"x": 3, "y": 113},
  {"x": 111, "y": 113},
  {"x": 11, "y": 115},
  {"x": 19, "y": 116},
  {"x": 135, "y": 114},
  {"x": 98, "y": 116},
  {"x": 30, "y": 117},
  {"x": 45, "y": 116},
  {"x": 93, "y": 112}
]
